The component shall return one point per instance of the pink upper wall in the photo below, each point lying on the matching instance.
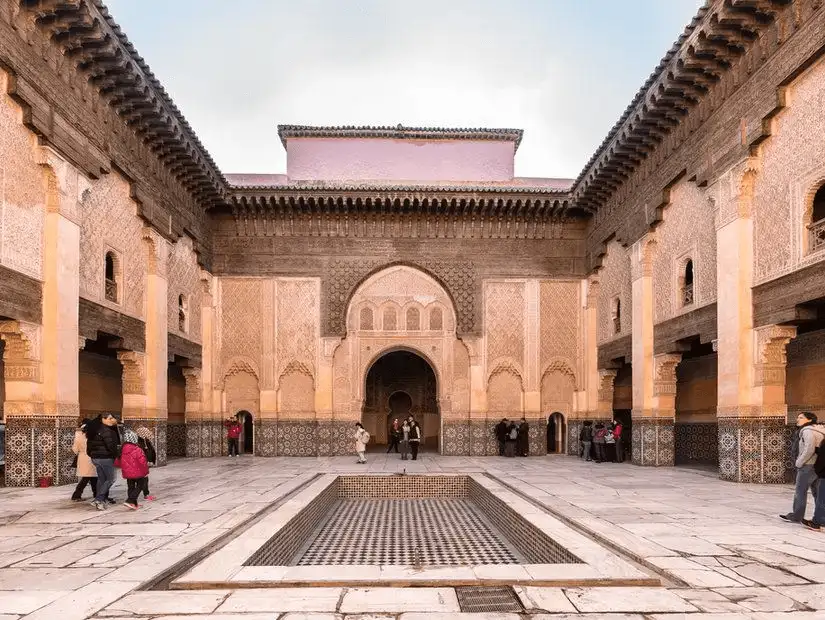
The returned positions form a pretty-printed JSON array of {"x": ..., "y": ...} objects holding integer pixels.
[{"x": 385, "y": 159}]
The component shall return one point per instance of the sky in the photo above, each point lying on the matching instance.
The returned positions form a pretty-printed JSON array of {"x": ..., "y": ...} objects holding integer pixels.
[{"x": 561, "y": 70}]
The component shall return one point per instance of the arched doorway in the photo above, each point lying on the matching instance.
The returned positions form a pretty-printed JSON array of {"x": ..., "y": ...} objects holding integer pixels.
[
  {"x": 556, "y": 433},
  {"x": 247, "y": 439},
  {"x": 400, "y": 383}
]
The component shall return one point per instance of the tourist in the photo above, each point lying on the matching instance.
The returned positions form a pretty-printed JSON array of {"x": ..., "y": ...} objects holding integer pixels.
[
  {"x": 609, "y": 443},
  {"x": 617, "y": 435},
  {"x": 512, "y": 439},
  {"x": 86, "y": 471},
  {"x": 806, "y": 439},
  {"x": 362, "y": 438},
  {"x": 145, "y": 443},
  {"x": 551, "y": 435},
  {"x": 405, "y": 439},
  {"x": 599, "y": 442},
  {"x": 523, "y": 440},
  {"x": 133, "y": 467},
  {"x": 586, "y": 439},
  {"x": 233, "y": 433},
  {"x": 395, "y": 435},
  {"x": 501, "y": 435},
  {"x": 103, "y": 447},
  {"x": 415, "y": 438}
]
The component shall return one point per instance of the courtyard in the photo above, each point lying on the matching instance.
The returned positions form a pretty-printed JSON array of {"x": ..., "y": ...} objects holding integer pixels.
[{"x": 707, "y": 548}]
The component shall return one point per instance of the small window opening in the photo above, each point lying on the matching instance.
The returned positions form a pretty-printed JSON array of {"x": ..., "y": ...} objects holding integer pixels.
[
  {"x": 617, "y": 316},
  {"x": 436, "y": 319},
  {"x": 366, "y": 319},
  {"x": 111, "y": 276},
  {"x": 687, "y": 284},
  {"x": 183, "y": 311},
  {"x": 816, "y": 229}
]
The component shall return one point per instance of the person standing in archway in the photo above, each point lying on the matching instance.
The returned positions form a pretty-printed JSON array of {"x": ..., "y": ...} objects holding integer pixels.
[
  {"x": 501, "y": 435},
  {"x": 233, "y": 433},
  {"x": 395, "y": 436},
  {"x": 415, "y": 439},
  {"x": 405, "y": 439},
  {"x": 524, "y": 438},
  {"x": 362, "y": 438}
]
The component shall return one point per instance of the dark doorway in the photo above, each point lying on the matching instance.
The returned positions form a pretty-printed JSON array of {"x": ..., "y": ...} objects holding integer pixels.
[
  {"x": 248, "y": 434},
  {"x": 398, "y": 384},
  {"x": 556, "y": 433}
]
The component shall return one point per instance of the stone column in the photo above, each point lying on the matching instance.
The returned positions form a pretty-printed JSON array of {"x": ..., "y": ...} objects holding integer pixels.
[
  {"x": 532, "y": 370},
  {"x": 192, "y": 410},
  {"x": 653, "y": 428},
  {"x": 587, "y": 405},
  {"x": 210, "y": 396},
  {"x": 480, "y": 440},
  {"x": 604, "y": 406},
  {"x": 326, "y": 430},
  {"x": 751, "y": 362},
  {"x": 26, "y": 426},
  {"x": 65, "y": 190},
  {"x": 266, "y": 424}
]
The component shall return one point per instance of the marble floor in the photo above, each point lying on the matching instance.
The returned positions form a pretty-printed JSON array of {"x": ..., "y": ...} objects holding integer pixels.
[{"x": 718, "y": 547}]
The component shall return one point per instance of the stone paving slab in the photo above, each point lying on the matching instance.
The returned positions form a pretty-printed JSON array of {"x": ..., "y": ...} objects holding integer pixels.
[{"x": 77, "y": 563}]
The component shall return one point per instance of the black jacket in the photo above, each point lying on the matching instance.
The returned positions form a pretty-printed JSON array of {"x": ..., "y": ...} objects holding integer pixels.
[
  {"x": 501, "y": 431},
  {"x": 148, "y": 449},
  {"x": 104, "y": 444}
]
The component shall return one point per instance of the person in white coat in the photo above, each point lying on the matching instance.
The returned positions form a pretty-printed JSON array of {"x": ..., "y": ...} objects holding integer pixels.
[
  {"x": 362, "y": 438},
  {"x": 86, "y": 471}
]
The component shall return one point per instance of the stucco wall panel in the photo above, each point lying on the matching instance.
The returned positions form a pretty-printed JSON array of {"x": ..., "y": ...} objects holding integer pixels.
[
  {"x": 22, "y": 191},
  {"x": 793, "y": 159},
  {"x": 109, "y": 220},
  {"x": 184, "y": 279},
  {"x": 687, "y": 231},
  {"x": 614, "y": 281}
]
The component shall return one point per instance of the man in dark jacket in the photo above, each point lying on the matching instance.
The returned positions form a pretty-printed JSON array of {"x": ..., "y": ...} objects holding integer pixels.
[
  {"x": 523, "y": 438},
  {"x": 103, "y": 447},
  {"x": 501, "y": 435}
]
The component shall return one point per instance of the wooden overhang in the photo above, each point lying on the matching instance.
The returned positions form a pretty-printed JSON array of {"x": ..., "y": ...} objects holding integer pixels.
[
  {"x": 710, "y": 45},
  {"x": 88, "y": 37}
]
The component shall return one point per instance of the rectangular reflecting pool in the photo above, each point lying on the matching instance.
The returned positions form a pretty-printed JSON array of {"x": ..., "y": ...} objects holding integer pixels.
[{"x": 409, "y": 530}]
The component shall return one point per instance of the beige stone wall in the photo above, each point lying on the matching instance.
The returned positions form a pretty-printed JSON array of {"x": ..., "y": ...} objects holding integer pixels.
[
  {"x": 614, "y": 282},
  {"x": 805, "y": 388},
  {"x": 22, "y": 191},
  {"x": 184, "y": 279},
  {"x": 109, "y": 221},
  {"x": 792, "y": 165},
  {"x": 696, "y": 390},
  {"x": 686, "y": 232},
  {"x": 100, "y": 384}
]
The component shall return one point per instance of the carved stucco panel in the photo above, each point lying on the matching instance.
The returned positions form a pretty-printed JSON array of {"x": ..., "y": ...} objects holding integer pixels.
[
  {"x": 298, "y": 326},
  {"x": 22, "y": 190},
  {"x": 109, "y": 221},
  {"x": 504, "y": 320},
  {"x": 614, "y": 282},
  {"x": 184, "y": 279},
  {"x": 794, "y": 150},
  {"x": 560, "y": 321},
  {"x": 241, "y": 319},
  {"x": 687, "y": 232}
]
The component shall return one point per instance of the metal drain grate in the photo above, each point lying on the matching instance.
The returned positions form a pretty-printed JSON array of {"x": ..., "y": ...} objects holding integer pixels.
[{"x": 477, "y": 600}]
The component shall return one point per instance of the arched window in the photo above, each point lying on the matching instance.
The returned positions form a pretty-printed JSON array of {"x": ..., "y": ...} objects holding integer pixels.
[
  {"x": 112, "y": 276},
  {"x": 816, "y": 229},
  {"x": 390, "y": 319},
  {"x": 436, "y": 319},
  {"x": 413, "y": 319},
  {"x": 687, "y": 284},
  {"x": 616, "y": 315},
  {"x": 366, "y": 319},
  {"x": 183, "y": 314}
]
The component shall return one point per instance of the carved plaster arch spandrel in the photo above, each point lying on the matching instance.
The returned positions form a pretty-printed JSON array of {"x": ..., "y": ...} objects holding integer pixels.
[
  {"x": 238, "y": 364},
  {"x": 295, "y": 366},
  {"x": 506, "y": 364},
  {"x": 562, "y": 365}
]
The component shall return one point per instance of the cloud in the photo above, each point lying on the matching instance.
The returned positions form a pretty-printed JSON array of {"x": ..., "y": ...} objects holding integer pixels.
[{"x": 563, "y": 70}]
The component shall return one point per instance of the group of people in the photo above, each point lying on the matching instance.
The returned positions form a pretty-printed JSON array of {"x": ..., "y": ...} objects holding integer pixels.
[
  {"x": 602, "y": 442},
  {"x": 513, "y": 438},
  {"x": 404, "y": 437},
  {"x": 101, "y": 446}
]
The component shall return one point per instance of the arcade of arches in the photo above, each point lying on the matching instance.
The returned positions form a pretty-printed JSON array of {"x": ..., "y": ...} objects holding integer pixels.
[{"x": 673, "y": 286}]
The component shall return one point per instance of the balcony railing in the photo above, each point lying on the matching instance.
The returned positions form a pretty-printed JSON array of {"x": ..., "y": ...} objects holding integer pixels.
[
  {"x": 687, "y": 295},
  {"x": 816, "y": 236},
  {"x": 111, "y": 290}
]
